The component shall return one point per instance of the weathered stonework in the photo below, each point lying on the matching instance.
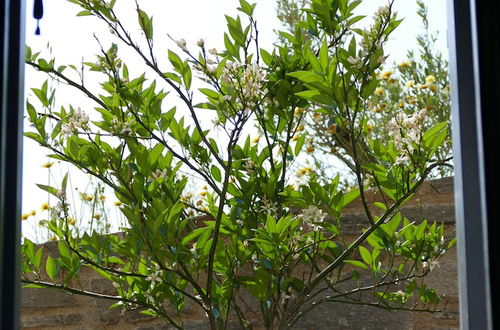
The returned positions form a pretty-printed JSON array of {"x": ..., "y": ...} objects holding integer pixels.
[{"x": 54, "y": 310}]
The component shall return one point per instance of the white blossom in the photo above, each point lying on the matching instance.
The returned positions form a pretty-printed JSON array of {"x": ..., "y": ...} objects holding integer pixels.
[
  {"x": 268, "y": 206},
  {"x": 182, "y": 44},
  {"x": 353, "y": 60},
  {"x": 250, "y": 166},
  {"x": 154, "y": 277},
  {"x": 248, "y": 81},
  {"x": 312, "y": 216},
  {"x": 119, "y": 127},
  {"x": 406, "y": 131},
  {"x": 77, "y": 120},
  {"x": 159, "y": 174}
]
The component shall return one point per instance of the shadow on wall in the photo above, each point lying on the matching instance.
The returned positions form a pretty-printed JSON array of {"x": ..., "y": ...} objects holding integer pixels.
[{"x": 51, "y": 310}]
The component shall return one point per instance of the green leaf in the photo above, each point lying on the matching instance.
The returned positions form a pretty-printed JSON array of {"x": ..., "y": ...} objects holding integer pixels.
[
  {"x": 51, "y": 267},
  {"x": 48, "y": 189},
  {"x": 266, "y": 57},
  {"x": 216, "y": 173},
  {"x": 175, "y": 60},
  {"x": 210, "y": 93},
  {"x": 356, "y": 263},
  {"x": 35, "y": 286},
  {"x": 146, "y": 23},
  {"x": 349, "y": 197},
  {"x": 246, "y": 7},
  {"x": 365, "y": 255},
  {"x": 187, "y": 76},
  {"x": 298, "y": 145},
  {"x": 38, "y": 258},
  {"x": 148, "y": 312},
  {"x": 63, "y": 249},
  {"x": 195, "y": 233},
  {"x": 64, "y": 182}
]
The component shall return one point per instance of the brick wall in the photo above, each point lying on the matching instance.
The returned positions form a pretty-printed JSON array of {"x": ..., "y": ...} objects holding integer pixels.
[{"x": 51, "y": 309}]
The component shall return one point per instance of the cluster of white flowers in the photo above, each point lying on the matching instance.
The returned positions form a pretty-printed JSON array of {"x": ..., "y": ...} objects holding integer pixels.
[
  {"x": 268, "y": 206},
  {"x": 154, "y": 278},
  {"x": 248, "y": 81},
  {"x": 250, "y": 166},
  {"x": 159, "y": 174},
  {"x": 433, "y": 264},
  {"x": 356, "y": 62},
  {"x": 58, "y": 210},
  {"x": 119, "y": 127},
  {"x": 371, "y": 35},
  {"x": 312, "y": 216},
  {"x": 406, "y": 131},
  {"x": 77, "y": 120},
  {"x": 382, "y": 11}
]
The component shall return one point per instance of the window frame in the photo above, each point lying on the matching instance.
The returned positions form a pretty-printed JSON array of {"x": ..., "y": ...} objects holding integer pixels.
[{"x": 475, "y": 95}]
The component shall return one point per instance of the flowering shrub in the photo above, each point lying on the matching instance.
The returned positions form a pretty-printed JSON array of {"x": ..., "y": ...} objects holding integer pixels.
[
  {"x": 251, "y": 229},
  {"x": 414, "y": 86}
]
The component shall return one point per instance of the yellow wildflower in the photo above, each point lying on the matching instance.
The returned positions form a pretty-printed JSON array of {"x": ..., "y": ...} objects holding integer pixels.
[
  {"x": 332, "y": 129},
  {"x": 48, "y": 165},
  {"x": 316, "y": 116},
  {"x": 387, "y": 74},
  {"x": 424, "y": 86},
  {"x": 303, "y": 171},
  {"x": 33, "y": 212},
  {"x": 203, "y": 193},
  {"x": 102, "y": 197},
  {"x": 379, "y": 91},
  {"x": 310, "y": 149},
  {"x": 300, "y": 128},
  {"x": 71, "y": 221},
  {"x": 97, "y": 216},
  {"x": 25, "y": 216},
  {"x": 404, "y": 65},
  {"x": 53, "y": 238},
  {"x": 199, "y": 202},
  {"x": 299, "y": 111},
  {"x": 410, "y": 84},
  {"x": 295, "y": 138},
  {"x": 256, "y": 140},
  {"x": 430, "y": 79},
  {"x": 44, "y": 207},
  {"x": 118, "y": 203}
]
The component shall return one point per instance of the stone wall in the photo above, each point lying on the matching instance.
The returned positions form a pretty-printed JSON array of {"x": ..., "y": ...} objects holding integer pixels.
[{"x": 51, "y": 309}]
